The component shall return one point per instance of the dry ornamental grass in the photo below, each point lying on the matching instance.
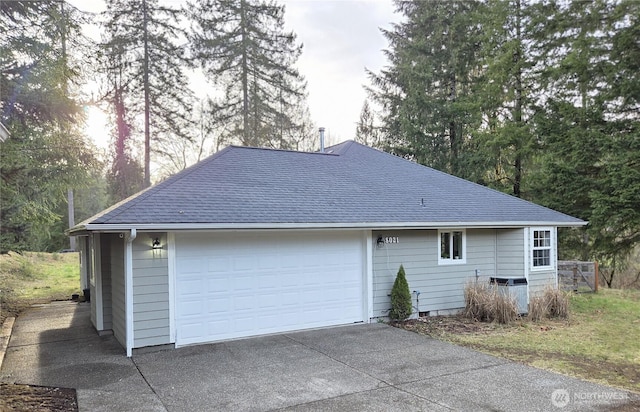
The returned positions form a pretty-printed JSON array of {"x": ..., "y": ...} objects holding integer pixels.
[{"x": 487, "y": 303}]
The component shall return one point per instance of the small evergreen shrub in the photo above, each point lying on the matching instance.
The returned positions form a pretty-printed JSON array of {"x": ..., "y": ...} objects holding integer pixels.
[{"x": 400, "y": 297}]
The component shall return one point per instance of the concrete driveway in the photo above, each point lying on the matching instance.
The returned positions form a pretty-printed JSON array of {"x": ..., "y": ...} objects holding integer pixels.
[{"x": 361, "y": 367}]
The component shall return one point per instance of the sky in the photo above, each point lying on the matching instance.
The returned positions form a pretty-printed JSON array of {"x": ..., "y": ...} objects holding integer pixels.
[{"x": 340, "y": 37}]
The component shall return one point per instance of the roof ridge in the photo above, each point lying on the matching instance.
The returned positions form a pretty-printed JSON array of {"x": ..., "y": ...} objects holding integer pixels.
[
  {"x": 271, "y": 149},
  {"x": 342, "y": 147}
]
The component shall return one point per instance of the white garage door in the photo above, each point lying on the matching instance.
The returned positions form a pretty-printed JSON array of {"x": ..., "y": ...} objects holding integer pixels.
[{"x": 234, "y": 285}]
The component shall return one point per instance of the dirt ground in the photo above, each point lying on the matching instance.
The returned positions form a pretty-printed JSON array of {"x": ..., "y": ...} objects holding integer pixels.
[
  {"x": 438, "y": 326},
  {"x": 37, "y": 398}
]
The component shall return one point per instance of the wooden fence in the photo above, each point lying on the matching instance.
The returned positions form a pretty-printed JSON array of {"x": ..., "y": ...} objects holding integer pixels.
[{"x": 578, "y": 276}]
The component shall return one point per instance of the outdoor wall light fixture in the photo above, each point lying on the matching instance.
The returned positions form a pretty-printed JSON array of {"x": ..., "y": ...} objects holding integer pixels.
[
  {"x": 156, "y": 243},
  {"x": 380, "y": 242}
]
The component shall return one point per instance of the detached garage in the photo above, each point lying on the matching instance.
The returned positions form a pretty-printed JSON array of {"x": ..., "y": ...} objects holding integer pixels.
[{"x": 257, "y": 241}]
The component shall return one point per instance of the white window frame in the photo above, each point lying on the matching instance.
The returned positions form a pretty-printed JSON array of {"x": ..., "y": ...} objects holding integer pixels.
[
  {"x": 551, "y": 248},
  {"x": 451, "y": 260}
]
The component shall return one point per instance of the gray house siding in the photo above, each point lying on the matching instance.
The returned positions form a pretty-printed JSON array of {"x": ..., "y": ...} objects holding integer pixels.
[
  {"x": 539, "y": 280},
  {"x": 441, "y": 286},
  {"x": 492, "y": 252},
  {"x": 150, "y": 291},
  {"x": 105, "y": 267},
  {"x": 119, "y": 321},
  {"x": 510, "y": 253}
]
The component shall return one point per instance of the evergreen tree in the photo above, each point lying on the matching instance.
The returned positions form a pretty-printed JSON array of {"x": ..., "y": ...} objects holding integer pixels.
[
  {"x": 125, "y": 176},
  {"x": 425, "y": 92},
  {"x": 46, "y": 153},
  {"x": 589, "y": 127},
  {"x": 366, "y": 130},
  {"x": 243, "y": 49},
  {"x": 401, "y": 306},
  {"x": 570, "y": 43},
  {"x": 616, "y": 197},
  {"x": 505, "y": 142},
  {"x": 145, "y": 73}
]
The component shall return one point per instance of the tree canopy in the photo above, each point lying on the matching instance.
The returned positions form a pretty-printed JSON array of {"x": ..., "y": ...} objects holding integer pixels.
[
  {"x": 242, "y": 47},
  {"x": 539, "y": 99},
  {"x": 46, "y": 153}
]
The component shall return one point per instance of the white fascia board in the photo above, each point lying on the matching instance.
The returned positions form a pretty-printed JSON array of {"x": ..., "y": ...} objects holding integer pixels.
[{"x": 117, "y": 227}]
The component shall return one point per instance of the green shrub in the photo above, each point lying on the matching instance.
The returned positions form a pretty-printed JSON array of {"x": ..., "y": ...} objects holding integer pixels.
[{"x": 400, "y": 297}]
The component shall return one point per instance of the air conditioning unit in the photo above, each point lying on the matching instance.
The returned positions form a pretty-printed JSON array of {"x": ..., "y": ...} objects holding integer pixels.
[{"x": 515, "y": 287}]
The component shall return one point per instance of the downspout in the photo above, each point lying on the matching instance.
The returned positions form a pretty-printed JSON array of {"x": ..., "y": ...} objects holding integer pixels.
[{"x": 128, "y": 287}]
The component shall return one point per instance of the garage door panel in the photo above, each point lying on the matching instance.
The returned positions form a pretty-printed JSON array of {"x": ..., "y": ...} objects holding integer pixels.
[
  {"x": 217, "y": 305},
  {"x": 237, "y": 285},
  {"x": 268, "y": 263},
  {"x": 218, "y": 264},
  {"x": 190, "y": 265},
  {"x": 267, "y": 301},
  {"x": 244, "y": 302},
  {"x": 193, "y": 307},
  {"x": 191, "y": 286},
  {"x": 267, "y": 281}
]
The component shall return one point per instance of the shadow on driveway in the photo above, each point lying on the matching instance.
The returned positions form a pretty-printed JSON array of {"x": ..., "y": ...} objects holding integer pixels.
[
  {"x": 56, "y": 345},
  {"x": 360, "y": 367}
]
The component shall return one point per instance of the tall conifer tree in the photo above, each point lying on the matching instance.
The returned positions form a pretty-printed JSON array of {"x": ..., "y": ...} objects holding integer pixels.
[
  {"x": 145, "y": 69},
  {"x": 243, "y": 49},
  {"x": 426, "y": 88},
  {"x": 46, "y": 152}
]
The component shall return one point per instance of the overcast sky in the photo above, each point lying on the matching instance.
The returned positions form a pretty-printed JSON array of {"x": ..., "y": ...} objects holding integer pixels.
[{"x": 341, "y": 38}]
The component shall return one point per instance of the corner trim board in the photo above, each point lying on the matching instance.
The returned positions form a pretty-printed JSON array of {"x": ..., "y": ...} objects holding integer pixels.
[
  {"x": 128, "y": 285},
  {"x": 171, "y": 267}
]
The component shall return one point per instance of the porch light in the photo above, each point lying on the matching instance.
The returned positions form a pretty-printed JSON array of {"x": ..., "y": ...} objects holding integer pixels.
[
  {"x": 156, "y": 244},
  {"x": 380, "y": 242}
]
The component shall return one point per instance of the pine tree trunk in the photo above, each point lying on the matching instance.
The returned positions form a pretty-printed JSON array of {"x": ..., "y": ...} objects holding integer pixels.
[
  {"x": 453, "y": 136},
  {"x": 147, "y": 135},
  {"x": 245, "y": 74},
  {"x": 517, "y": 115}
]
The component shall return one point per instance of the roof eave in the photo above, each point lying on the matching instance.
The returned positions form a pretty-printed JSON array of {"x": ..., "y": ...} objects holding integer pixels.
[{"x": 117, "y": 227}]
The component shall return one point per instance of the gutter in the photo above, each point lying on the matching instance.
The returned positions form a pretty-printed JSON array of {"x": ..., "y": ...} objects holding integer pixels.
[
  {"x": 119, "y": 227},
  {"x": 128, "y": 287}
]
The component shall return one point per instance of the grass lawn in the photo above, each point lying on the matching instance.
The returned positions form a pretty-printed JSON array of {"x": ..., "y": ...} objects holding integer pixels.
[
  {"x": 599, "y": 342},
  {"x": 33, "y": 277}
]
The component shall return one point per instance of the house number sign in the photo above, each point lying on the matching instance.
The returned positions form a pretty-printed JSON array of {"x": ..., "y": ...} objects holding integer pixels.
[{"x": 392, "y": 239}]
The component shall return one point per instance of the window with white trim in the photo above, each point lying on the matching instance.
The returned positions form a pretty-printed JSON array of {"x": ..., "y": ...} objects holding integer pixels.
[
  {"x": 541, "y": 246},
  {"x": 452, "y": 246}
]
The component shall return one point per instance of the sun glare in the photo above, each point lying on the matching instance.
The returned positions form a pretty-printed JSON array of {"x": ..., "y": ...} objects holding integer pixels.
[{"x": 96, "y": 127}]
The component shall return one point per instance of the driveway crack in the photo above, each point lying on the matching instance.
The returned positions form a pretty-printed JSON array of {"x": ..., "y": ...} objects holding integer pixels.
[{"x": 149, "y": 384}]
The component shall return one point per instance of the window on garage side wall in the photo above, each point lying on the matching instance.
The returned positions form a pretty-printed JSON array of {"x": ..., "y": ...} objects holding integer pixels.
[{"x": 542, "y": 248}]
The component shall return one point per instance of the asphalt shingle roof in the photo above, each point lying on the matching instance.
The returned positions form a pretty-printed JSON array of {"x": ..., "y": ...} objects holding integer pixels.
[{"x": 348, "y": 184}]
